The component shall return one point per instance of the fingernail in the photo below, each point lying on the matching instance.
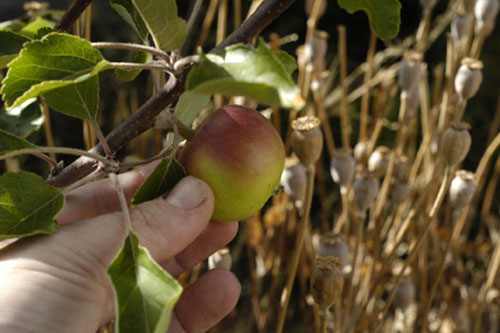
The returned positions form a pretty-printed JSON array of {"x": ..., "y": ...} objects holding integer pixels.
[{"x": 187, "y": 194}]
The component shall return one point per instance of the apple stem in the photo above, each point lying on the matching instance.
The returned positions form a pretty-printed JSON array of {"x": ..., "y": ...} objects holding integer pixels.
[{"x": 287, "y": 291}]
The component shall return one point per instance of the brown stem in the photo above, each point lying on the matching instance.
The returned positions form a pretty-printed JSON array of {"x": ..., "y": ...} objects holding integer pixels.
[
  {"x": 72, "y": 14},
  {"x": 143, "y": 118},
  {"x": 304, "y": 221}
]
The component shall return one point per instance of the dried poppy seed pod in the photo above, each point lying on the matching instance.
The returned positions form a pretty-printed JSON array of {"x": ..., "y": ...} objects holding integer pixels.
[
  {"x": 315, "y": 50},
  {"x": 361, "y": 152},
  {"x": 455, "y": 143},
  {"x": 404, "y": 295},
  {"x": 410, "y": 70},
  {"x": 485, "y": 12},
  {"x": 307, "y": 139},
  {"x": 342, "y": 166},
  {"x": 462, "y": 189},
  {"x": 469, "y": 77},
  {"x": 379, "y": 161},
  {"x": 332, "y": 244},
  {"x": 365, "y": 191},
  {"x": 401, "y": 168},
  {"x": 327, "y": 281},
  {"x": 220, "y": 259},
  {"x": 294, "y": 178},
  {"x": 310, "y": 4},
  {"x": 399, "y": 192},
  {"x": 460, "y": 26}
]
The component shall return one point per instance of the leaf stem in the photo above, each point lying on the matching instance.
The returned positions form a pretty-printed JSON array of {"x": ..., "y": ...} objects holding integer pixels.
[
  {"x": 57, "y": 150},
  {"x": 133, "y": 47},
  {"x": 133, "y": 65},
  {"x": 123, "y": 201}
]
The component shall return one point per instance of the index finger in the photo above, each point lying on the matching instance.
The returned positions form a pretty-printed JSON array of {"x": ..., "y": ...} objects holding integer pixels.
[{"x": 100, "y": 197}]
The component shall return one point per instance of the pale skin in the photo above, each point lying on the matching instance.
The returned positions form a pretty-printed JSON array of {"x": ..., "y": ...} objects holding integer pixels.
[{"x": 58, "y": 283}]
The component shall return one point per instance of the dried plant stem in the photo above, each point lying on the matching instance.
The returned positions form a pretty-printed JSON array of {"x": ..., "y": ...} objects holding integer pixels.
[
  {"x": 457, "y": 228},
  {"x": 477, "y": 45},
  {"x": 327, "y": 130},
  {"x": 423, "y": 29},
  {"x": 489, "y": 193},
  {"x": 236, "y": 13},
  {"x": 207, "y": 22},
  {"x": 344, "y": 220},
  {"x": 448, "y": 91},
  {"x": 365, "y": 99},
  {"x": 495, "y": 124},
  {"x": 72, "y": 14},
  {"x": 344, "y": 111},
  {"x": 413, "y": 252},
  {"x": 287, "y": 291},
  {"x": 491, "y": 274},
  {"x": 312, "y": 21},
  {"x": 360, "y": 227},
  {"x": 484, "y": 162},
  {"x": 47, "y": 127}
]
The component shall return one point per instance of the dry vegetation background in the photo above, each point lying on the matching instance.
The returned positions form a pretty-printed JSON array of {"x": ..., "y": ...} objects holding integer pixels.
[{"x": 395, "y": 226}]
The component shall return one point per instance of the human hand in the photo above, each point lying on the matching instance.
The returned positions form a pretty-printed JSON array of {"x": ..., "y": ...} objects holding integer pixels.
[{"x": 58, "y": 283}]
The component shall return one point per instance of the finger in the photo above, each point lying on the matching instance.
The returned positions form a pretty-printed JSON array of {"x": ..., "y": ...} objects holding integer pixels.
[
  {"x": 215, "y": 236},
  {"x": 206, "y": 302},
  {"x": 100, "y": 197}
]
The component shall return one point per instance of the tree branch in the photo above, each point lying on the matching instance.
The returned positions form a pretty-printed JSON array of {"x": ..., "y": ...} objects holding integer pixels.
[
  {"x": 144, "y": 117},
  {"x": 72, "y": 14}
]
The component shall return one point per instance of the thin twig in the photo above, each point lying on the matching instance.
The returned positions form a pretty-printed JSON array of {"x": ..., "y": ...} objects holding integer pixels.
[{"x": 132, "y": 47}]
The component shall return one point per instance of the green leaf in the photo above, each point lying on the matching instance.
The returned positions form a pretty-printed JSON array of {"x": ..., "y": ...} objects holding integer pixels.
[
  {"x": 167, "y": 29},
  {"x": 160, "y": 181},
  {"x": 10, "y": 45},
  {"x": 9, "y": 143},
  {"x": 32, "y": 28},
  {"x": 384, "y": 15},
  {"x": 28, "y": 205},
  {"x": 145, "y": 293},
  {"x": 127, "y": 11},
  {"x": 189, "y": 105},
  {"x": 22, "y": 120},
  {"x": 240, "y": 70},
  {"x": 79, "y": 100},
  {"x": 286, "y": 60},
  {"x": 131, "y": 74},
  {"x": 57, "y": 60}
]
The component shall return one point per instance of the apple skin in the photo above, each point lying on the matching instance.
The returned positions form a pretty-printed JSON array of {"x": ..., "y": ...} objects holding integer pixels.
[{"x": 241, "y": 156}]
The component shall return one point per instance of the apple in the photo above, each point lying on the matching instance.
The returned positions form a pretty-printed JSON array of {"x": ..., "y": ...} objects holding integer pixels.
[{"x": 240, "y": 155}]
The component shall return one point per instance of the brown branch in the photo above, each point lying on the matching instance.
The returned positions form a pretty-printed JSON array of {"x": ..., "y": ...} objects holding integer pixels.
[
  {"x": 144, "y": 117},
  {"x": 72, "y": 14},
  {"x": 267, "y": 12}
]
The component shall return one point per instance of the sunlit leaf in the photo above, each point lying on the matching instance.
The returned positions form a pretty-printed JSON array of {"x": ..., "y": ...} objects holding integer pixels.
[
  {"x": 384, "y": 15},
  {"x": 57, "y": 60},
  {"x": 167, "y": 29},
  {"x": 28, "y": 205},
  {"x": 240, "y": 70},
  {"x": 161, "y": 180},
  {"x": 145, "y": 293}
]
